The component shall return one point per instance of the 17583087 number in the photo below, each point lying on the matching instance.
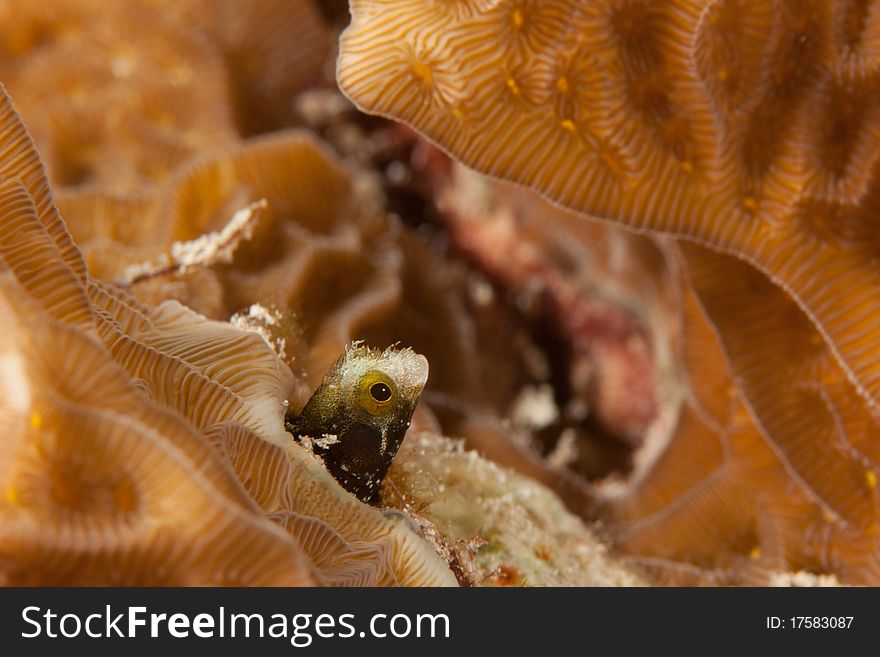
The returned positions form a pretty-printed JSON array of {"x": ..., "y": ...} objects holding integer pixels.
[
  {"x": 821, "y": 622},
  {"x": 809, "y": 622}
]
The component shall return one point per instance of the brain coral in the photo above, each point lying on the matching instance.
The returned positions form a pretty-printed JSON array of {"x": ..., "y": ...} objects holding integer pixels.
[
  {"x": 116, "y": 106},
  {"x": 716, "y": 413},
  {"x": 321, "y": 254},
  {"x": 149, "y": 146},
  {"x": 730, "y": 497},
  {"x": 216, "y": 392},
  {"x": 747, "y": 127},
  {"x": 731, "y": 491},
  {"x": 117, "y": 418}
]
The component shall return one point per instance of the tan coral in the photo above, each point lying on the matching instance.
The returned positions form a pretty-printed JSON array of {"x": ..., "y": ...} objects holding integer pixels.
[
  {"x": 743, "y": 126},
  {"x": 117, "y": 106},
  {"x": 662, "y": 136},
  {"x": 272, "y": 49},
  {"x": 350, "y": 542},
  {"x": 338, "y": 269},
  {"x": 99, "y": 490},
  {"x": 19, "y": 160},
  {"x": 800, "y": 397},
  {"x": 731, "y": 497},
  {"x": 729, "y": 492},
  {"x": 121, "y": 107},
  {"x": 107, "y": 465},
  {"x": 88, "y": 462}
]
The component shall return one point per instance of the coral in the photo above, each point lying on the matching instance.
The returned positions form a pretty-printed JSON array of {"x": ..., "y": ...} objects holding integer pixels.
[
  {"x": 809, "y": 413},
  {"x": 745, "y": 127},
  {"x": 716, "y": 501},
  {"x": 89, "y": 462},
  {"x": 115, "y": 106},
  {"x": 748, "y": 465},
  {"x": 801, "y": 396},
  {"x": 272, "y": 49},
  {"x": 349, "y": 542},
  {"x": 592, "y": 287},
  {"x": 503, "y": 529},
  {"x": 119, "y": 107},
  {"x": 706, "y": 390},
  {"x": 643, "y": 127},
  {"x": 339, "y": 269},
  {"x": 125, "y": 427}
]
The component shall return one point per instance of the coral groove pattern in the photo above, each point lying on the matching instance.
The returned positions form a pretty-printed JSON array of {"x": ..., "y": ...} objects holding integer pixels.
[
  {"x": 146, "y": 445},
  {"x": 744, "y": 129}
]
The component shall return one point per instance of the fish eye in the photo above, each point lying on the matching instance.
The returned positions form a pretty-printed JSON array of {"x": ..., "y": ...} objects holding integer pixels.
[
  {"x": 380, "y": 392},
  {"x": 376, "y": 392}
]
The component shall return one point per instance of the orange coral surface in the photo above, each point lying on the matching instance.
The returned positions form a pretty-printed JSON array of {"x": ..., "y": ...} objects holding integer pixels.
[
  {"x": 707, "y": 391},
  {"x": 110, "y": 411},
  {"x": 746, "y": 127}
]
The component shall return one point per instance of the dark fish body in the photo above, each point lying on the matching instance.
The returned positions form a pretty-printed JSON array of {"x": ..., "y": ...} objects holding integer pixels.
[{"x": 357, "y": 418}]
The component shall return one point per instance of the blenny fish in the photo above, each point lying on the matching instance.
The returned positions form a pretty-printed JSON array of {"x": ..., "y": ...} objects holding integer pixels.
[{"x": 357, "y": 418}]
